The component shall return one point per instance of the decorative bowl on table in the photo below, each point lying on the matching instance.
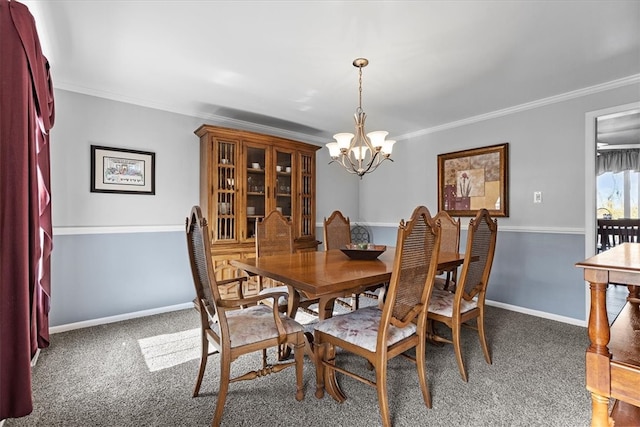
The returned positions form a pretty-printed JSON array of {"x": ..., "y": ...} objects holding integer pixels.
[{"x": 366, "y": 251}]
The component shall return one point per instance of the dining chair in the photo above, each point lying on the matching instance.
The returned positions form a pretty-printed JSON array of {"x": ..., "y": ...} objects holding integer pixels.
[
  {"x": 274, "y": 236},
  {"x": 336, "y": 231},
  {"x": 337, "y": 234},
  {"x": 612, "y": 232},
  {"x": 468, "y": 301},
  {"x": 449, "y": 242},
  {"x": 379, "y": 333},
  {"x": 360, "y": 234},
  {"x": 236, "y": 326}
]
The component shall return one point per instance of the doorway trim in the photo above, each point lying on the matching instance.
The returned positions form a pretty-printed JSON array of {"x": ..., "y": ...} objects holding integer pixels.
[{"x": 590, "y": 183}]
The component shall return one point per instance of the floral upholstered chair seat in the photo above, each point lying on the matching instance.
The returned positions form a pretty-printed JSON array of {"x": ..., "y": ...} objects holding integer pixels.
[
  {"x": 238, "y": 325},
  {"x": 254, "y": 324},
  {"x": 441, "y": 302},
  {"x": 470, "y": 289},
  {"x": 360, "y": 327},
  {"x": 393, "y": 327}
]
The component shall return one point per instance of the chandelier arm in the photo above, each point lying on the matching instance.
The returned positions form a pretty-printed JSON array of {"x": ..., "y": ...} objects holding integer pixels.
[
  {"x": 371, "y": 163},
  {"x": 351, "y": 169},
  {"x": 340, "y": 160},
  {"x": 352, "y": 166}
]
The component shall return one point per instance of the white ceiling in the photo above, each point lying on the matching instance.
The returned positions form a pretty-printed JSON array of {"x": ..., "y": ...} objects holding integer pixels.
[
  {"x": 287, "y": 64},
  {"x": 619, "y": 130}
]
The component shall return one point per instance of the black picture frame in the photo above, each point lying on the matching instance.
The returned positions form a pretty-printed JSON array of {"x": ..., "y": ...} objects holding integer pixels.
[{"x": 122, "y": 171}]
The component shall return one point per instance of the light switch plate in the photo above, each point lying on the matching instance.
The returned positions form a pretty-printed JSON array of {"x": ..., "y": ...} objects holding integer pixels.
[{"x": 537, "y": 197}]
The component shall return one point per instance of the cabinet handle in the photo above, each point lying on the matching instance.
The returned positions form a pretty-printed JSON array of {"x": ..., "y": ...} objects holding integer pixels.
[{"x": 268, "y": 188}]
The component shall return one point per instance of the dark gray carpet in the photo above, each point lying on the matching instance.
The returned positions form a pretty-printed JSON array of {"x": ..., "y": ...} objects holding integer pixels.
[{"x": 98, "y": 376}]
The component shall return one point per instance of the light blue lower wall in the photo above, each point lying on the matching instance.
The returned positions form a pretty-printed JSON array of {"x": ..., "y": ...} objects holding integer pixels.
[
  {"x": 102, "y": 275},
  {"x": 537, "y": 271},
  {"x": 532, "y": 270}
]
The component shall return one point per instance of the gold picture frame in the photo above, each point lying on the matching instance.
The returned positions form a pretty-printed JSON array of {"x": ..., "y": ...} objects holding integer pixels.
[{"x": 470, "y": 180}]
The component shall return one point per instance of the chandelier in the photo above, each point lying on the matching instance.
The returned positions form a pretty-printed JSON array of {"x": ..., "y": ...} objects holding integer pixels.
[{"x": 360, "y": 154}]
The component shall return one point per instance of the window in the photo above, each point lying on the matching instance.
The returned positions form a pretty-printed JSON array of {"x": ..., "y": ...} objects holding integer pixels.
[{"x": 618, "y": 194}]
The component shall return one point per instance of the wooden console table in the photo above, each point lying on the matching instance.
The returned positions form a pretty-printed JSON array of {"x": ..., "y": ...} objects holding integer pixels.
[{"x": 613, "y": 357}]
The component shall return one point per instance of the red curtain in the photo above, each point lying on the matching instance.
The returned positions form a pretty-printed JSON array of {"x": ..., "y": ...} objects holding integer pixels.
[{"x": 26, "y": 116}]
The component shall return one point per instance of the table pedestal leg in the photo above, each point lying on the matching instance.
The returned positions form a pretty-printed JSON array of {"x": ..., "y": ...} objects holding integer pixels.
[
  {"x": 325, "y": 307},
  {"x": 330, "y": 382}
]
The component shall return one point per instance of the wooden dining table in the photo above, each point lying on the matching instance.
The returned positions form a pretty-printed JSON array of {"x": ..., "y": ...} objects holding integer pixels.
[{"x": 327, "y": 275}]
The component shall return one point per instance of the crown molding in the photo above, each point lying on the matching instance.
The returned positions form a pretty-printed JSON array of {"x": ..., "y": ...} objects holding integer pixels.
[
  {"x": 228, "y": 122},
  {"x": 210, "y": 118},
  {"x": 625, "y": 81}
]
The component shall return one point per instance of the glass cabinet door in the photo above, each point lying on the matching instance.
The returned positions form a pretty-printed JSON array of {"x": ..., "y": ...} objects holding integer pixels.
[
  {"x": 306, "y": 191},
  {"x": 283, "y": 169},
  {"x": 256, "y": 187},
  {"x": 224, "y": 190}
]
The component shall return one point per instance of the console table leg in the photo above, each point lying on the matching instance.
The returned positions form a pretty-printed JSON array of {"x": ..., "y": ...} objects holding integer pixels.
[
  {"x": 600, "y": 411},
  {"x": 599, "y": 333}
]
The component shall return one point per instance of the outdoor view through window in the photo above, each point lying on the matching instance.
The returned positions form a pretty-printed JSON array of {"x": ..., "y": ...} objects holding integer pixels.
[{"x": 617, "y": 195}]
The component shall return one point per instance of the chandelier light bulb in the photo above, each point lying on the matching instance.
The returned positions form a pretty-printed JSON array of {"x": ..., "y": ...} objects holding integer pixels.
[
  {"x": 334, "y": 150},
  {"x": 360, "y": 152},
  {"x": 377, "y": 138},
  {"x": 344, "y": 140},
  {"x": 387, "y": 147}
]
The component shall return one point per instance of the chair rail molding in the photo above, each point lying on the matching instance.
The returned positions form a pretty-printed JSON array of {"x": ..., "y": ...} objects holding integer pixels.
[
  {"x": 116, "y": 229},
  {"x": 503, "y": 228}
]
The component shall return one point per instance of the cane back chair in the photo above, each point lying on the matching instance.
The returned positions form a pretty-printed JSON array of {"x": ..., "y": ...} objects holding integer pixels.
[
  {"x": 236, "y": 326},
  {"x": 274, "y": 236},
  {"x": 395, "y": 325},
  {"x": 337, "y": 234},
  {"x": 449, "y": 242},
  {"x": 467, "y": 303}
]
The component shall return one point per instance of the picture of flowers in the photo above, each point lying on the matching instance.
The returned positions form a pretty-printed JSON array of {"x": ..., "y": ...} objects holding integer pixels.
[{"x": 473, "y": 179}]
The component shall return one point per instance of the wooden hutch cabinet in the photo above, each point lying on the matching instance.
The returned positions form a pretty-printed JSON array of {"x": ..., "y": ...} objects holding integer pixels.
[{"x": 244, "y": 176}]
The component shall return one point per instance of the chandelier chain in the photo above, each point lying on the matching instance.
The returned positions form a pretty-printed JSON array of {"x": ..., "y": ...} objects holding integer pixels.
[{"x": 360, "y": 89}]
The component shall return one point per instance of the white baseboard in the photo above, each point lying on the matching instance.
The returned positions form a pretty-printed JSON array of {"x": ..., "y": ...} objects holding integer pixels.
[
  {"x": 538, "y": 313},
  {"x": 34, "y": 360},
  {"x": 118, "y": 318},
  {"x": 127, "y": 316}
]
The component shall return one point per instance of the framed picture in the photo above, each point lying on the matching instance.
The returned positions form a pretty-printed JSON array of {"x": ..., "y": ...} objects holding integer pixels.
[
  {"x": 470, "y": 180},
  {"x": 118, "y": 170}
]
